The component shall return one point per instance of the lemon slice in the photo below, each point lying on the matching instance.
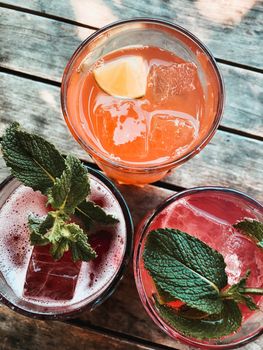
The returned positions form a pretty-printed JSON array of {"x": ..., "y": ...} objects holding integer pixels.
[{"x": 123, "y": 77}]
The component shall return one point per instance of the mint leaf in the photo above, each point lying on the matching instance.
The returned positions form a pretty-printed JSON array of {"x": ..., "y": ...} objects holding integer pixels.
[
  {"x": 213, "y": 326},
  {"x": 90, "y": 212},
  {"x": 71, "y": 188},
  {"x": 32, "y": 160},
  {"x": 252, "y": 228},
  {"x": 186, "y": 268},
  {"x": 55, "y": 233},
  {"x": 58, "y": 248},
  {"x": 190, "y": 313},
  {"x": 46, "y": 230},
  {"x": 71, "y": 236},
  {"x": 38, "y": 227},
  {"x": 80, "y": 248},
  {"x": 237, "y": 293}
]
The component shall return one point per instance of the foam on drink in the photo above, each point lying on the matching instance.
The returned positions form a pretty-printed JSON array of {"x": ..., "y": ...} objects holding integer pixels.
[
  {"x": 14, "y": 234},
  {"x": 94, "y": 276}
]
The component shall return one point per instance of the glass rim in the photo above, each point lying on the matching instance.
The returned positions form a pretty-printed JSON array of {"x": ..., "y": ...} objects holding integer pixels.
[
  {"x": 113, "y": 283},
  {"x": 141, "y": 168},
  {"x": 140, "y": 236}
]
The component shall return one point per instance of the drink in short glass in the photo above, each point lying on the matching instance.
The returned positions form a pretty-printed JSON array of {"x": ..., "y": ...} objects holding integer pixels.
[
  {"x": 138, "y": 139},
  {"x": 208, "y": 213},
  {"x": 31, "y": 282}
]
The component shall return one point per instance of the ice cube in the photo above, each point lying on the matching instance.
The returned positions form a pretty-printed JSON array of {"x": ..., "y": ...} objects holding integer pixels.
[
  {"x": 47, "y": 279},
  {"x": 187, "y": 218},
  {"x": 241, "y": 254},
  {"x": 128, "y": 131},
  {"x": 119, "y": 123},
  {"x": 233, "y": 268},
  {"x": 179, "y": 128},
  {"x": 165, "y": 82}
]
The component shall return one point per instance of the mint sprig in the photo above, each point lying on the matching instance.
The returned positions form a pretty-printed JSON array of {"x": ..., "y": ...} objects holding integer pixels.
[
  {"x": 53, "y": 229},
  {"x": 68, "y": 191},
  {"x": 185, "y": 268},
  {"x": 253, "y": 229},
  {"x": 38, "y": 164}
]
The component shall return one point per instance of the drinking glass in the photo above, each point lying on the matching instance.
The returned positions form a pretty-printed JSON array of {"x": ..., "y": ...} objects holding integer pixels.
[
  {"x": 141, "y": 32},
  {"x": 34, "y": 309},
  {"x": 206, "y": 213}
]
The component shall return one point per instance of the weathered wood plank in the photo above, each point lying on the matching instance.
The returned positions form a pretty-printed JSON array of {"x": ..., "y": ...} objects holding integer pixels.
[
  {"x": 41, "y": 47},
  {"x": 4, "y": 171},
  {"x": 229, "y": 160},
  {"x": 244, "y": 100},
  {"x": 239, "y": 22},
  {"x": 22, "y": 333},
  {"x": 37, "y": 107},
  {"x": 36, "y": 45}
]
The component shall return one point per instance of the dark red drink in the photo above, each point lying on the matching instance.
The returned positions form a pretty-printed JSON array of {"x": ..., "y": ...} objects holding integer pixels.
[{"x": 45, "y": 286}]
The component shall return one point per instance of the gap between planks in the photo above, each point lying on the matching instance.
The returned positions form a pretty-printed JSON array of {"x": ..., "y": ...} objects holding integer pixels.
[
  {"x": 58, "y": 84},
  {"x": 83, "y": 25},
  {"x": 159, "y": 184},
  {"x": 117, "y": 335}
]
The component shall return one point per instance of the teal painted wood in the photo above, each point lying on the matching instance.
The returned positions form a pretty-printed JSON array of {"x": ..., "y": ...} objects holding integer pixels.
[
  {"x": 42, "y": 47},
  {"x": 232, "y": 30},
  {"x": 37, "y": 107}
]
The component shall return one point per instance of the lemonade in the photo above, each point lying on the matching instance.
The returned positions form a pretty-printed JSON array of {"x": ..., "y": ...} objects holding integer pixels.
[
  {"x": 141, "y": 109},
  {"x": 162, "y": 125}
]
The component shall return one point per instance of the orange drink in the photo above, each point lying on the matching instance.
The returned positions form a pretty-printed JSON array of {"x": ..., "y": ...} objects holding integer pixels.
[{"x": 141, "y": 97}]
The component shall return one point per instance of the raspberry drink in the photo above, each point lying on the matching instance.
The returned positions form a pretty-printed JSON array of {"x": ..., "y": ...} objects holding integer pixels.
[
  {"x": 39, "y": 286},
  {"x": 140, "y": 105},
  {"x": 209, "y": 215}
]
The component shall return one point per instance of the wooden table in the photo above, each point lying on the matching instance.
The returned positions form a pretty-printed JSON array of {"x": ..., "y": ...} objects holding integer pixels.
[{"x": 37, "y": 39}]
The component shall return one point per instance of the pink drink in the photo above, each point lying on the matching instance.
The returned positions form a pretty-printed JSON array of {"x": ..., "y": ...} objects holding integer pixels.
[
  {"x": 207, "y": 214},
  {"x": 34, "y": 276}
]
